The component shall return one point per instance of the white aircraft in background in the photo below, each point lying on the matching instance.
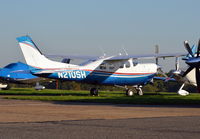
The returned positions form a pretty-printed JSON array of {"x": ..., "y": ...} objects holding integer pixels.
[{"x": 121, "y": 71}]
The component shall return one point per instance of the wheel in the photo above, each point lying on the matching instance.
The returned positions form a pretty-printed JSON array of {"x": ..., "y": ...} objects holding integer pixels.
[
  {"x": 183, "y": 92},
  {"x": 94, "y": 92},
  {"x": 139, "y": 91},
  {"x": 129, "y": 92}
]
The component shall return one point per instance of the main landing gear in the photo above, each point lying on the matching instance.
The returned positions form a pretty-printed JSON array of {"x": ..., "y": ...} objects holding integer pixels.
[
  {"x": 94, "y": 92},
  {"x": 138, "y": 91},
  {"x": 130, "y": 92}
]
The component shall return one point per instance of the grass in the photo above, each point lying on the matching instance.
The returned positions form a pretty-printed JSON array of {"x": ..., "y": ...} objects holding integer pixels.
[{"x": 113, "y": 97}]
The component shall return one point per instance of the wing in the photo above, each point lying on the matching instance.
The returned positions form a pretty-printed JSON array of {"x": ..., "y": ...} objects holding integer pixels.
[
  {"x": 147, "y": 56},
  {"x": 118, "y": 57}
]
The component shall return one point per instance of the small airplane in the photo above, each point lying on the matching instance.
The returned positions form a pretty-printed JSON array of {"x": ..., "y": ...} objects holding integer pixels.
[
  {"x": 120, "y": 70},
  {"x": 17, "y": 73}
]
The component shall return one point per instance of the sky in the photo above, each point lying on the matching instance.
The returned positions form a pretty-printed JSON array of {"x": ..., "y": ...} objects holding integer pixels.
[{"x": 89, "y": 26}]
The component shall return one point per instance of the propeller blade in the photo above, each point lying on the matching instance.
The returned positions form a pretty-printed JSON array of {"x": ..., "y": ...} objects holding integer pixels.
[
  {"x": 198, "y": 79},
  {"x": 187, "y": 46},
  {"x": 187, "y": 71},
  {"x": 198, "y": 48}
]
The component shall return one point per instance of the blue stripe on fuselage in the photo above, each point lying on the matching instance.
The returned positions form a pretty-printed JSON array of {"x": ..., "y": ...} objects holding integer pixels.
[{"x": 101, "y": 77}]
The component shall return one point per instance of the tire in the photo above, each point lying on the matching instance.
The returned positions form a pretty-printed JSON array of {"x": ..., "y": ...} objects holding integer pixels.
[{"x": 129, "y": 92}]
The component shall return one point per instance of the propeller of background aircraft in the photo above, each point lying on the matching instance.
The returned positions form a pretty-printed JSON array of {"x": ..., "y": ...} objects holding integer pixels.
[{"x": 193, "y": 62}]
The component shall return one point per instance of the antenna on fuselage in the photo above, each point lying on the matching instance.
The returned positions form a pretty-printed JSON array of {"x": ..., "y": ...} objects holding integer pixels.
[
  {"x": 124, "y": 50},
  {"x": 102, "y": 50}
]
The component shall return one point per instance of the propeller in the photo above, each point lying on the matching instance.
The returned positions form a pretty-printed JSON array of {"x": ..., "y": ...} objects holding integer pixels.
[
  {"x": 187, "y": 46},
  {"x": 193, "y": 62}
]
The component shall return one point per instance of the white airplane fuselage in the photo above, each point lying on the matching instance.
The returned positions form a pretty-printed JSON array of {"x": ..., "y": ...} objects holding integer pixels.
[
  {"x": 100, "y": 71},
  {"x": 108, "y": 73}
]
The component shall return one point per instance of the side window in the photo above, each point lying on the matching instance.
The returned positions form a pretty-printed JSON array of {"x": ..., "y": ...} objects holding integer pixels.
[
  {"x": 127, "y": 64},
  {"x": 102, "y": 66},
  {"x": 135, "y": 64}
]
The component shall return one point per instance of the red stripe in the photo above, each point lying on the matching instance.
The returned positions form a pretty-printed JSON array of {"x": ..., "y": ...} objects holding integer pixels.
[{"x": 28, "y": 44}]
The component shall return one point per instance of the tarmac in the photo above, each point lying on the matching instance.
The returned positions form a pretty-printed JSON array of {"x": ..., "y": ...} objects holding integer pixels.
[{"x": 38, "y": 119}]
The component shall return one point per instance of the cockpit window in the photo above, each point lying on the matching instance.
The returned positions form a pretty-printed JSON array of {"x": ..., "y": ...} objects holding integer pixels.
[
  {"x": 125, "y": 64},
  {"x": 121, "y": 65},
  {"x": 111, "y": 66}
]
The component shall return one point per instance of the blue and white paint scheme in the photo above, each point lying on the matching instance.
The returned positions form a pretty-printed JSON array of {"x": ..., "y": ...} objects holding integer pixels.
[
  {"x": 111, "y": 70},
  {"x": 16, "y": 73}
]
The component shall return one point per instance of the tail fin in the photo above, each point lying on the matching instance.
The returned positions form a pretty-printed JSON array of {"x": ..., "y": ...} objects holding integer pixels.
[{"x": 34, "y": 56}]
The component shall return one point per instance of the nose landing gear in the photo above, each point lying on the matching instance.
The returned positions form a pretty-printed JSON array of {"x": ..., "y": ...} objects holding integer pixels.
[{"x": 139, "y": 90}]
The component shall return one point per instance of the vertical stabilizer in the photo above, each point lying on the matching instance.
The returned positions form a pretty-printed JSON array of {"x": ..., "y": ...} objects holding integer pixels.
[{"x": 34, "y": 56}]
